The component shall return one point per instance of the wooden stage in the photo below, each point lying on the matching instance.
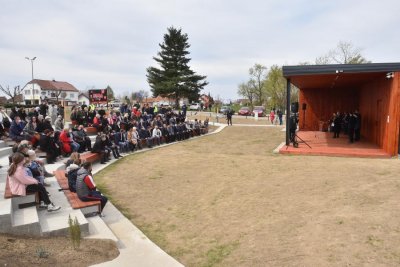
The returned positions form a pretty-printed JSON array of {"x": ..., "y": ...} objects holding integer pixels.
[{"x": 323, "y": 144}]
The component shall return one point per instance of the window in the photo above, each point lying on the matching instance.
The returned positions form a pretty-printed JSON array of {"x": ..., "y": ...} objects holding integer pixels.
[
  {"x": 49, "y": 93},
  {"x": 36, "y": 91},
  {"x": 71, "y": 95},
  {"x": 53, "y": 94},
  {"x": 43, "y": 93},
  {"x": 27, "y": 92}
]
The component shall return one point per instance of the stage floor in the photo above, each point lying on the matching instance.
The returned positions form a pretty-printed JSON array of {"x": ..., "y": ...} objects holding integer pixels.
[{"x": 323, "y": 144}]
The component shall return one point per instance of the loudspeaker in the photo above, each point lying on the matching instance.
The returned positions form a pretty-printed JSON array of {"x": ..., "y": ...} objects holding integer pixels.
[
  {"x": 294, "y": 107},
  {"x": 304, "y": 106}
]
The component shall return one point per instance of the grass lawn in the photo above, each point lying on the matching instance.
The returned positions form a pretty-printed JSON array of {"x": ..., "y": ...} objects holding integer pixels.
[
  {"x": 222, "y": 119},
  {"x": 226, "y": 200}
]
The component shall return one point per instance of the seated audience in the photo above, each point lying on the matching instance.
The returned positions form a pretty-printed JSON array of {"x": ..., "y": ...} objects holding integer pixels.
[
  {"x": 80, "y": 137},
  {"x": 21, "y": 183},
  {"x": 17, "y": 130},
  {"x": 71, "y": 172},
  {"x": 100, "y": 148},
  {"x": 86, "y": 188},
  {"x": 47, "y": 144},
  {"x": 68, "y": 144},
  {"x": 59, "y": 124}
]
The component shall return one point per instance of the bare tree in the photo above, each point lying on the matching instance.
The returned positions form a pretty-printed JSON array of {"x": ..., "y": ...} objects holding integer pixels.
[
  {"x": 247, "y": 91},
  {"x": 257, "y": 78},
  {"x": 344, "y": 53},
  {"x": 12, "y": 93},
  {"x": 139, "y": 95}
]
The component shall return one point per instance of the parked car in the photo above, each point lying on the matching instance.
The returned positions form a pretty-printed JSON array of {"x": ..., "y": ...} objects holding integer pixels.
[
  {"x": 245, "y": 111},
  {"x": 224, "y": 109},
  {"x": 194, "y": 106},
  {"x": 260, "y": 110}
]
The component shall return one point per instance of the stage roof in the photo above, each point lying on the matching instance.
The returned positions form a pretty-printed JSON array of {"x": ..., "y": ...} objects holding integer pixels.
[{"x": 336, "y": 75}]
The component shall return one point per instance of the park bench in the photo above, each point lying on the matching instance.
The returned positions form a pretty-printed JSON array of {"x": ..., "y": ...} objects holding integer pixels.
[
  {"x": 90, "y": 157},
  {"x": 8, "y": 194},
  {"x": 91, "y": 130},
  {"x": 72, "y": 197}
]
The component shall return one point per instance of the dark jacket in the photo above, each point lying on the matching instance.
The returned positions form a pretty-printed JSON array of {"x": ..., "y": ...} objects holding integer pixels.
[
  {"x": 16, "y": 129},
  {"x": 98, "y": 146}
]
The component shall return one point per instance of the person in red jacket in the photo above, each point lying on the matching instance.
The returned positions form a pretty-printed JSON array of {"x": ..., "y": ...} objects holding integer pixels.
[{"x": 68, "y": 144}]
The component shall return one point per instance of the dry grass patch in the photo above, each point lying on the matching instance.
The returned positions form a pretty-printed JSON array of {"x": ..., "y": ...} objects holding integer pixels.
[
  {"x": 226, "y": 200},
  {"x": 222, "y": 119}
]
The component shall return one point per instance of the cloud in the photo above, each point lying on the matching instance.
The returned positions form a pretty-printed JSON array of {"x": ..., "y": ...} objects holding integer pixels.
[{"x": 112, "y": 42}]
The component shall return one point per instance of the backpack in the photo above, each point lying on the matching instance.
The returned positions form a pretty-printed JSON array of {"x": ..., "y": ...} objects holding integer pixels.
[{"x": 72, "y": 176}]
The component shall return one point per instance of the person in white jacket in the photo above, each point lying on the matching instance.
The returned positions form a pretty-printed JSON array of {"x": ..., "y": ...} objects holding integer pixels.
[{"x": 157, "y": 134}]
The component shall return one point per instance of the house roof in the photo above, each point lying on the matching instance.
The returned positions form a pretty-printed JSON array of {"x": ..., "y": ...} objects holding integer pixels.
[
  {"x": 54, "y": 85},
  {"x": 336, "y": 75},
  {"x": 83, "y": 94}
]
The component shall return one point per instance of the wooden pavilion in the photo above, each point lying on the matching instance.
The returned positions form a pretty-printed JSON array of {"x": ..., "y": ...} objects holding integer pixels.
[{"x": 373, "y": 89}]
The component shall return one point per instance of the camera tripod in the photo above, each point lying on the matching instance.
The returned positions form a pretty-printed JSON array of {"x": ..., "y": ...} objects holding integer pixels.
[{"x": 295, "y": 140}]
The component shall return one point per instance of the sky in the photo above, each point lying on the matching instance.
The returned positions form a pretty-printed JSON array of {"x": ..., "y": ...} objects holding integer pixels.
[{"x": 98, "y": 43}]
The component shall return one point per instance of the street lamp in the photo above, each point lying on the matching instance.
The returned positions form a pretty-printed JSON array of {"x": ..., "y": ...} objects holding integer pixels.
[{"x": 33, "y": 84}]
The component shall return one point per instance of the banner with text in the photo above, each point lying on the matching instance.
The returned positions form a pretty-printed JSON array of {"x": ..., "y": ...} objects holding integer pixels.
[{"x": 98, "y": 96}]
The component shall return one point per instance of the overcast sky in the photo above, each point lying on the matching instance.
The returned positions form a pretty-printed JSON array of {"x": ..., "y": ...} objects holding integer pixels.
[{"x": 103, "y": 42}]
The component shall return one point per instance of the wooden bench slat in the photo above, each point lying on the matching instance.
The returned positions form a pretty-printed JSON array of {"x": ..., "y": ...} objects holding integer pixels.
[
  {"x": 72, "y": 197},
  {"x": 90, "y": 157}
]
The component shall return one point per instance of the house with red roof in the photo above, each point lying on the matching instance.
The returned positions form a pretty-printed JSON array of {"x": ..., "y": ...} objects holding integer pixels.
[{"x": 36, "y": 91}]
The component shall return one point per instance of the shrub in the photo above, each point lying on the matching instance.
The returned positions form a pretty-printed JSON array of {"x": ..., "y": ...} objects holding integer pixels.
[{"x": 74, "y": 232}]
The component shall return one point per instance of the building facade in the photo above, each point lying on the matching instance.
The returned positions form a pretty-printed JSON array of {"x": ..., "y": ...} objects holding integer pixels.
[{"x": 37, "y": 91}]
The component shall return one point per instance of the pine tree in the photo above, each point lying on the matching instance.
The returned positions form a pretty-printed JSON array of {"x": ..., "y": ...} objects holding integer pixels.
[
  {"x": 110, "y": 93},
  {"x": 175, "y": 78}
]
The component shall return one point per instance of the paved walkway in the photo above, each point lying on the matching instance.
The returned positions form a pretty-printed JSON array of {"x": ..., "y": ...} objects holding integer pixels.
[{"x": 246, "y": 125}]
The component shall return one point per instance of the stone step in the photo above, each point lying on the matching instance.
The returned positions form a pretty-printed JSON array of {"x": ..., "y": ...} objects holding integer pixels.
[
  {"x": 98, "y": 229},
  {"x": 56, "y": 223},
  {"x": 5, "y": 211},
  {"x": 16, "y": 201},
  {"x": 3, "y": 144},
  {"x": 5, "y": 151},
  {"x": 25, "y": 222},
  {"x": 9, "y": 142}
]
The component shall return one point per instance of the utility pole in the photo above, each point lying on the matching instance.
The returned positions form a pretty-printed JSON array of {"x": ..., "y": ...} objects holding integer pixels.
[{"x": 33, "y": 84}]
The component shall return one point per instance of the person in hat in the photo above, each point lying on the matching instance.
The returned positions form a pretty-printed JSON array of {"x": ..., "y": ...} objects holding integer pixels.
[{"x": 72, "y": 174}]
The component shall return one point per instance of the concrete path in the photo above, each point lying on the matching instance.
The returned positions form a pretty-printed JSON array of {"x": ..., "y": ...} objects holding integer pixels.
[
  {"x": 135, "y": 248},
  {"x": 246, "y": 125}
]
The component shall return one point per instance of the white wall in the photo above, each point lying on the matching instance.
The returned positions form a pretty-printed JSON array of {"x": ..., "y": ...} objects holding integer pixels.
[
  {"x": 83, "y": 100},
  {"x": 27, "y": 91}
]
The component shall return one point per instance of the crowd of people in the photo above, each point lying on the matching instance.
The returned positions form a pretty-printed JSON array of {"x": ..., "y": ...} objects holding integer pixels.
[
  {"x": 349, "y": 123},
  {"x": 118, "y": 131}
]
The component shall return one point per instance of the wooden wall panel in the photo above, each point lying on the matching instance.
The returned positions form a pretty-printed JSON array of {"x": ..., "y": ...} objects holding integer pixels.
[
  {"x": 321, "y": 103},
  {"x": 380, "y": 109},
  {"x": 377, "y": 100}
]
